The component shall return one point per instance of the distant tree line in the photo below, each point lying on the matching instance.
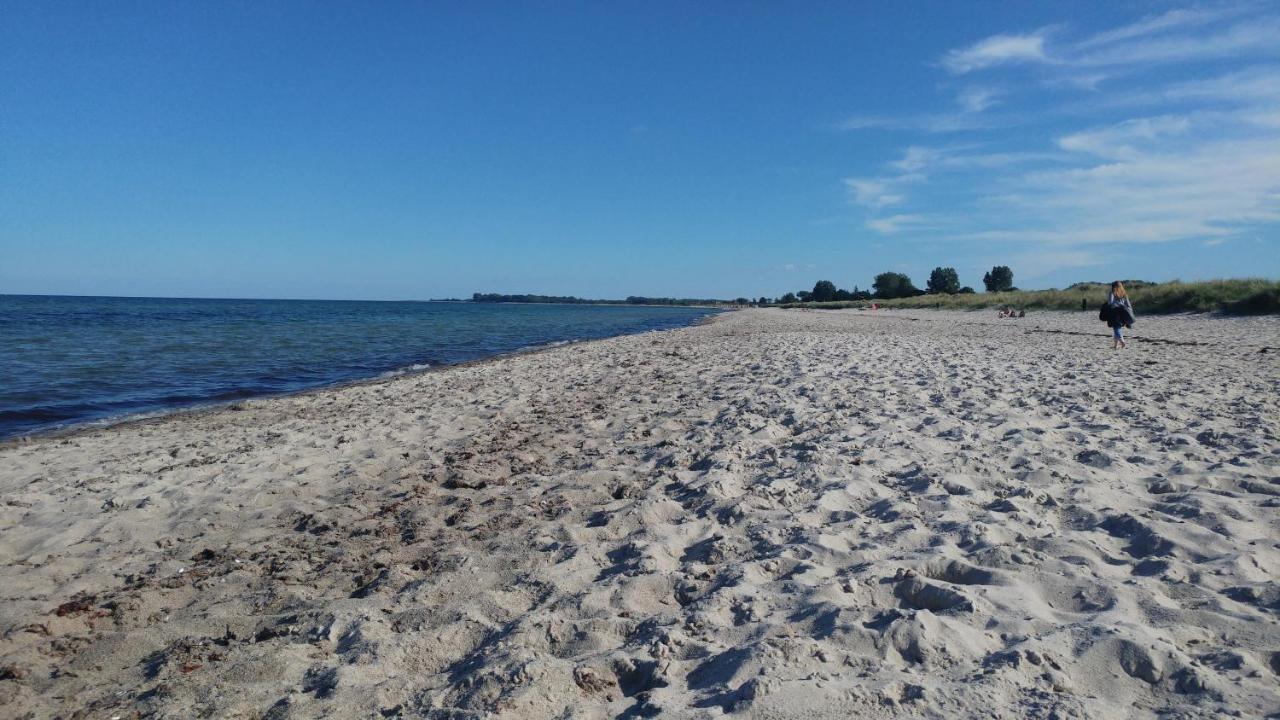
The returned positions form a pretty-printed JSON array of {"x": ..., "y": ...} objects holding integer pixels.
[
  {"x": 500, "y": 298},
  {"x": 572, "y": 300},
  {"x": 641, "y": 300},
  {"x": 887, "y": 286},
  {"x": 893, "y": 285}
]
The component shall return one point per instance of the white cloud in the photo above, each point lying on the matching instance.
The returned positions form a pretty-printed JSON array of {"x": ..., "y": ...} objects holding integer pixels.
[
  {"x": 977, "y": 99},
  {"x": 1251, "y": 85},
  {"x": 929, "y": 122},
  {"x": 894, "y": 224},
  {"x": 991, "y": 160},
  {"x": 1192, "y": 156},
  {"x": 1173, "y": 19},
  {"x": 881, "y": 192},
  {"x": 1119, "y": 140},
  {"x": 1254, "y": 36},
  {"x": 1204, "y": 176},
  {"x": 1180, "y": 35},
  {"x": 1090, "y": 82},
  {"x": 1089, "y": 233},
  {"x": 873, "y": 193},
  {"x": 916, "y": 158},
  {"x": 1257, "y": 86},
  {"x": 1188, "y": 189},
  {"x": 997, "y": 50}
]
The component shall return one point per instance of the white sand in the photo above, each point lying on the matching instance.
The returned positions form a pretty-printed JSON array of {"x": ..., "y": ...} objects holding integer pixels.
[{"x": 780, "y": 514}]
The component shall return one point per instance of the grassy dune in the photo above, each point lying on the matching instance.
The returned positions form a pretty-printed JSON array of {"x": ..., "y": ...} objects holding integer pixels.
[{"x": 1243, "y": 297}]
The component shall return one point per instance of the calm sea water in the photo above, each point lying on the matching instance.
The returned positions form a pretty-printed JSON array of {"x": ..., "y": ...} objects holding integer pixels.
[{"x": 67, "y": 360}]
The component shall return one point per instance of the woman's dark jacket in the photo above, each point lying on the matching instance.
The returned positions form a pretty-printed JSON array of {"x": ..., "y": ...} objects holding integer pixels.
[{"x": 1119, "y": 312}]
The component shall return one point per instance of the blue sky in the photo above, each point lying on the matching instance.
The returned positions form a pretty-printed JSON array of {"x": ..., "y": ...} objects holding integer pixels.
[{"x": 415, "y": 150}]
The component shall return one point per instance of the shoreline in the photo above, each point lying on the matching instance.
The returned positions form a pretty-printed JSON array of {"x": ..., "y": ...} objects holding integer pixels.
[
  {"x": 89, "y": 426},
  {"x": 811, "y": 514}
]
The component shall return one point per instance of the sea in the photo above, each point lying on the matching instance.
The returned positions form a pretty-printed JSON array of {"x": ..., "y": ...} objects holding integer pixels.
[{"x": 72, "y": 360}]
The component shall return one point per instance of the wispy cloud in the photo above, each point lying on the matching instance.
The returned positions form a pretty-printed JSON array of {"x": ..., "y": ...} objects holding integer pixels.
[
  {"x": 916, "y": 158},
  {"x": 873, "y": 193},
  {"x": 1257, "y": 85},
  {"x": 929, "y": 122},
  {"x": 1195, "y": 156},
  {"x": 1251, "y": 37},
  {"x": 973, "y": 101},
  {"x": 895, "y": 224},
  {"x": 1124, "y": 139},
  {"x": 1181, "y": 35},
  {"x": 1254, "y": 84},
  {"x": 998, "y": 50},
  {"x": 1153, "y": 24},
  {"x": 1189, "y": 189},
  {"x": 976, "y": 99}
]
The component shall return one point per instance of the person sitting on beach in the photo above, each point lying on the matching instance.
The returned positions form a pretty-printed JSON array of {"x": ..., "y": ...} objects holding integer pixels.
[{"x": 1120, "y": 314}]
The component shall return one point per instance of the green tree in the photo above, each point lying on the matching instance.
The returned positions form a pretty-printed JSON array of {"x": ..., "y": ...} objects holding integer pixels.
[
  {"x": 944, "y": 280},
  {"x": 999, "y": 279},
  {"x": 788, "y": 299},
  {"x": 763, "y": 301},
  {"x": 891, "y": 285},
  {"x": 823, "y": 291}
]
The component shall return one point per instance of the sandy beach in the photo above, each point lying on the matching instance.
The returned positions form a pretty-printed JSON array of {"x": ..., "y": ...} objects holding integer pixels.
[{"x": 775, "y": 514}]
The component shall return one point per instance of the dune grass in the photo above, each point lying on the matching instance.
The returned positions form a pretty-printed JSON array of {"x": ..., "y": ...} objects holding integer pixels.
[{"x": 1252, "y": 296}]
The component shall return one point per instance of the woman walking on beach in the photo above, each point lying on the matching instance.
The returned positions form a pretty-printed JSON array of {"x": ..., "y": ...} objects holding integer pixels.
[{"x": 1120, "y": 314}]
